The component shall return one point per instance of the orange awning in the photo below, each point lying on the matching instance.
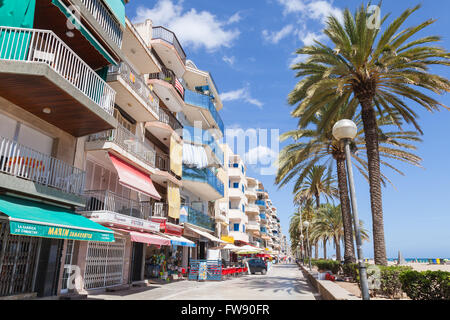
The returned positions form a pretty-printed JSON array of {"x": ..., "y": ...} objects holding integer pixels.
[{"x": 133, "y": 178}]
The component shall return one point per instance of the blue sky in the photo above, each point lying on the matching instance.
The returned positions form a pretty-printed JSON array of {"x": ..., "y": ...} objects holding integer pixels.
[{"x": 248, "y": 47}]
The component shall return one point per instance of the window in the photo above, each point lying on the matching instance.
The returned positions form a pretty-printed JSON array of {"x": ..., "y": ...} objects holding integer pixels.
[
  {"x": 236, "y": 227},
  {"x": 235, "y": 184},
  {"x": 235, "y": 165},
  {"x": 243, "y": 208},
  {"x": 243, "y": 228}
]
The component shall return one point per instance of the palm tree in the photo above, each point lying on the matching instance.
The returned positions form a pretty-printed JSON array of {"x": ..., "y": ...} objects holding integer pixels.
[
  {"x": 328, "y": 224},
  {"x": 318, "y": 181},
  {"x": 376, "y": 71},
  {"x": 311, "y": 147}
]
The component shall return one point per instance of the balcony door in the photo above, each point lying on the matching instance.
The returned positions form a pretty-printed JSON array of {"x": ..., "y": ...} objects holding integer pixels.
[{"x": 25, "y": 135}]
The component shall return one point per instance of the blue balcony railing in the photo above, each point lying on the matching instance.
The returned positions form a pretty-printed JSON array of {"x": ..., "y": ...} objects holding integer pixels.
[
  {"x": 205, "y": 176},
  {"x": 263, "y": 230},
  {"x": 204, "y": 101},
  {"x": 262, "y": 216},
  {"x": 198, "y": 218},
  {"x": 260, "y": 202}
]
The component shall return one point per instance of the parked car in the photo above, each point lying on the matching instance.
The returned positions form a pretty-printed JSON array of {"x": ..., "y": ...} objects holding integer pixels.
[{"x": 257, "y": 265}]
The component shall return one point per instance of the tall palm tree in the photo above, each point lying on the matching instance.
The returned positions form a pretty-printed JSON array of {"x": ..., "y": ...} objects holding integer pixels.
[
  {"x": 311, "y": 147},
  {"x": 376, "y": 71}
]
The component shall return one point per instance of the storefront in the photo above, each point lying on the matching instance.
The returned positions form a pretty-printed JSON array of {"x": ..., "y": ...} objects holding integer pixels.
[{"x": 33, "y": 236}]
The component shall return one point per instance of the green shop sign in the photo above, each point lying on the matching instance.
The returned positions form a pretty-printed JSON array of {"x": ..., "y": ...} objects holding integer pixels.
[{"x": 45, "y": 231}]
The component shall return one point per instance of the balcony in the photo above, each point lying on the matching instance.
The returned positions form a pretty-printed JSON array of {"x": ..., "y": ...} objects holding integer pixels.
[
  {"x": 200, "y": 219},
  {"x": 165, "y": 127},
  {"x": 235, "y": 193},
  {"x": 199, "y": 136},
  {"x": 56, "y": 80},
  {"x": 235, "y": 172},
  {"x": 169, "y": 49},
  {"x": 160, "y": 210},
  {"x": 252, "y": 208},
  {"x": 107, "y": 22},
  {"x": 126, "y": 144},
  {"x": 133, "y": 94},
  {"x": 237, "y": 214},
  {"x": 196, "y": 102},
  {"x": 253, "y": 226},
  {"x": 203, "y": 182},
  {"x": 108, "y": 208},
  {"x": 168, "y": 88},
  {"x": 163, "y": 174},
  {"x": 22, "y": 162},
  {"x": 250, "y": 193}
]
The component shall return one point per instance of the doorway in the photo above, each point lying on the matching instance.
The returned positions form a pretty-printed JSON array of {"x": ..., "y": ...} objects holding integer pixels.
[{"x": 137, "y": 257}]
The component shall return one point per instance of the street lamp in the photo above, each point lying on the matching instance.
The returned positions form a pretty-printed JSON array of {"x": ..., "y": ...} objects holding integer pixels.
[
  {"x": 306, "y": 225},
  {"x": 303, "y": 249},
  {"x": 345, "y": 130}
]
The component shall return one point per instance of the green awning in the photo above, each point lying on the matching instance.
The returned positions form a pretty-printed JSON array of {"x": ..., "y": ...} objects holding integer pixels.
[
  {"x": 35, "y": 219},
  {"x": 85, "y": 32}
]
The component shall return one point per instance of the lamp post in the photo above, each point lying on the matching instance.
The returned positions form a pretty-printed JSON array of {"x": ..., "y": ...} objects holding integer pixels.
[
  {"x": 346, "y": 130},
  {"x": 301, "y": 236},
  {"x": 306, "y": 225}
]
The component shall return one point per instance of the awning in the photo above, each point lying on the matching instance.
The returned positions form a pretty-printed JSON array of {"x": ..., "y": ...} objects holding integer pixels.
[
  {"x": 132, "y": 178},
  {"x": 85, "y": 32},
  {"x": 180, "y": 241},
  {"x": 147, "y": 238},
  {"x": 194, "y": 156},
  {"x": 35, "y": 219},
  {"x": 204, "y": 234}
]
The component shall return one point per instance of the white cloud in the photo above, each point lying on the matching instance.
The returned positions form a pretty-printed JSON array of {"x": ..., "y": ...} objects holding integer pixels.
[
  {"x": 241, "y": 94},
  {"x": 312, "y": 9},
  {"x": 296, "y": 59},
  {"x": 234, "y": 18},
  {"x": 261, "y": 154},
  {"x": 193, "y": 28},
  {"x": 309, "y": 37},
  {"x": 275, "y": 37},
  {"x": 229, "y": 60}
]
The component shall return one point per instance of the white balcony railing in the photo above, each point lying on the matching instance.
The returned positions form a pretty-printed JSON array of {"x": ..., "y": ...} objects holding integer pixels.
[
  {"x": 26, "y": 163},
  {"x": 43, "y": 46},
  {"x": 105, "y": 19}
]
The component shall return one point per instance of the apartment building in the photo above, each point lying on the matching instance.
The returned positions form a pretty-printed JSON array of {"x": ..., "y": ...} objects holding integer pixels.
[
  {"x": 203, "y": 159},
  {"x": 54, "y": 60}
]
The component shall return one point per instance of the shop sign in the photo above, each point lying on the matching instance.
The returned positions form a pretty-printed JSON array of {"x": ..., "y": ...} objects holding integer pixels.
[
  {"x": 122, "y": 220},
  {"x": 38, "y": 230}
]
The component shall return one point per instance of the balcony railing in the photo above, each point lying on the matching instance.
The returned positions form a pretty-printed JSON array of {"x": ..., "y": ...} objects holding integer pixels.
[
  {"x": 105, "y": 19},
  {"x": 162, "y": 162},
  {"x": 262, "y": 216},
  {"x": 104, "y": 200},
  {"x": 169, "y": 37},
  {"x": 200, "y": 219},
  {"x": 167, "y": 118},
  {"x": 204, "y": 175},
  {"x": 161, "y": 209},
  {"x": 263, "y": 230},
  {"x": 169, "y": 76},
  {"x": 26, "y": 163},
  {"x": 127, "y": 141},
  {"x": 43, "y": 46},
  {"x": 135, "y": 81},
  {"x": 260, "y": 202},
  {"x": 204, "y": 101}
]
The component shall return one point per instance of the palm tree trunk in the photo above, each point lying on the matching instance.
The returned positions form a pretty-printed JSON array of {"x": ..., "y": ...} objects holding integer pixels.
[
  {"x": 316, "y": 250},
  {"x": 324, "y": 248},
  {"x": 338, "y": 249},
  {"x": 373, "y": 159},
  {"x": 349, "y": 248}
]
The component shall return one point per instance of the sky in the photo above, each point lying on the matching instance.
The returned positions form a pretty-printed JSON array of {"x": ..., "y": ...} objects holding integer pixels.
[{"x": 248, "y": 47}]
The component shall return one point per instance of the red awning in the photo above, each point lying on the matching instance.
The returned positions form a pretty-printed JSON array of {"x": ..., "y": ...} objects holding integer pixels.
[
  {"x": 146, "y": 238},
  {"x": 132, "y": 178}
]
